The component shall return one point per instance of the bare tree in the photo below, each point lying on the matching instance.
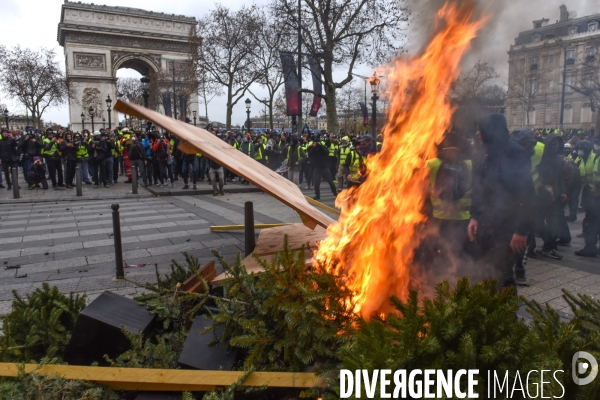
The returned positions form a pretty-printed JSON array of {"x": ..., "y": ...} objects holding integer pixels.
[
  {"x": 267, "y": 61},
  {"x": 472, "y": 82},
  {"x": 130, "y": 89},
  {"x": 33, "y": 78},
  {"x": 340, "y": 35},
  {"x": 587, "y": 79},
  {"x": 524, "y": 87},
  {"x": 348, "y": 107},
  {"x": 226, "y": 51}
]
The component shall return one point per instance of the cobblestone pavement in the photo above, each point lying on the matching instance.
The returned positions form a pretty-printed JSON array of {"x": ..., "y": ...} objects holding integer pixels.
[{"x": 67, "y": 241}]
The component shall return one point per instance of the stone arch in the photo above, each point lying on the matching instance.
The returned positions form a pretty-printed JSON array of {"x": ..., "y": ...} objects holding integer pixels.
[{"x": 98, "y": 40}]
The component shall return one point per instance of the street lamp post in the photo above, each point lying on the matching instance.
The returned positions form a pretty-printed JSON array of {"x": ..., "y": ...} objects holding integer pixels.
[
  {"x": 82, "y": 121},
  {"x": 248, "y": 103},
  {"x": 145, "y": 86},
  {"x": 6, "y": 117},
  {"x": 194, "y": 112},
  {"x": 103, "y": 123},
  {"x": 374, "y": 81},
  {"x": 108, "y": 110},
  {"x": 91, "y": 113}
]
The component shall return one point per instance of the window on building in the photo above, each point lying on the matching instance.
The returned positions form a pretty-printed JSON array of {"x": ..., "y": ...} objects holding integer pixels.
[
  {"x": 568, "y": 114},
  {"x": 551, "y": 84},
  {"x": 590, "y": 51},
  {"x": 569, "y": 82},
  {"x": 571, "y": 54},
  {"x": 551, "y": 59},
  {"x": 533, "y": 86},
  {"x": 592, "y": 26},
  {"x": 588, "y": 80},
  {"x": 536, "y": 38},
  {"x": 586, "y": 113},
  {"x": 572, "y": 30}
]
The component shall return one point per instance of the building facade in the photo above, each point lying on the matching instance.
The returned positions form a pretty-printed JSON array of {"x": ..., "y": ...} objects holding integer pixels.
[{"x": 548, "y": 60}]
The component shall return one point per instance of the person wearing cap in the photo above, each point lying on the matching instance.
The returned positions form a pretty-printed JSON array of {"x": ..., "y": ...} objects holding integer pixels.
[
  {"x": 343, "y": 151},
  {"x": 52, "y": 157}
]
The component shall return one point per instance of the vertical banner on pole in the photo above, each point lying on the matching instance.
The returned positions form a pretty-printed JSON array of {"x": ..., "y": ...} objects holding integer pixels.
[
  {"x": 317, "y": 86},
  {"x": 166, "y": 98},
  {"x": 365, "y": 113},
  {"x": 290, "y": 79}
]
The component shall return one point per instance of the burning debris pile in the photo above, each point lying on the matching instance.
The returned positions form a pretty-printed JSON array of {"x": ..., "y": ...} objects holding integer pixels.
[{"x": 374, "y": 240}]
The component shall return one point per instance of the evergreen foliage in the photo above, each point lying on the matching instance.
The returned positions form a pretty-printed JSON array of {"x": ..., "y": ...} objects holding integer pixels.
[
  {"x": 39, "y": 325},
  {"x": 288, "y": 318},
  {"x": 32, "y": 386}
]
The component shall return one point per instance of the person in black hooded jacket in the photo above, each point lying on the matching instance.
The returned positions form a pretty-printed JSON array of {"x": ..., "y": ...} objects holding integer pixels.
[{"x": 503, "y": 198}]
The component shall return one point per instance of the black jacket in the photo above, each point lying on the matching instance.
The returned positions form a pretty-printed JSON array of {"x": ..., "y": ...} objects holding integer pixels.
[
  {"x": 68, "y": 153},
  {"x": 137, "y": 151},
  {"x": 551, "y": 167},
  {"x": 29, "y": 148},
  {"x": 8, "y": 150},
  {"x": 318, "y": 156},
  {"x": 503, "y": 193}
]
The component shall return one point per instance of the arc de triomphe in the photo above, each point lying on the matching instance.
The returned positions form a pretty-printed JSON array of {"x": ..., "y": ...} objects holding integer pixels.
[{"x": 98, "y": 40}]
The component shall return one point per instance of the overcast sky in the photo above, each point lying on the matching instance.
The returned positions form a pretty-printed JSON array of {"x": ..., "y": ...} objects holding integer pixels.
[{"x": 33, "y": 23}]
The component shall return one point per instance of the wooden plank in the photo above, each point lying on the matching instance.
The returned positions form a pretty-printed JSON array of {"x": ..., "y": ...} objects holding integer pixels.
[
  {"x": 242, "y": 165},
  {"x": 270, "y": 241},
  {"x": 192, "y": 284},
  {"x": 167, "y": 379},
  {"x": 240, "y": 227}
]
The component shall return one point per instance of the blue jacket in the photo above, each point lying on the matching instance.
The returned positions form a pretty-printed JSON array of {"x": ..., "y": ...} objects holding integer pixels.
[{"x": 147, "y": 145}]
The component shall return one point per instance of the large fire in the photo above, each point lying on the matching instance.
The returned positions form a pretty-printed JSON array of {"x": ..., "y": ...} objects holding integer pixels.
[{"x": 373, "y": 242}]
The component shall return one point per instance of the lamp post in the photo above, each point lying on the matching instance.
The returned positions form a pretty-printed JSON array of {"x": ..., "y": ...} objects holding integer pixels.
[
  {"x": 194, "y": 112},
  {"x": 82, "y": 121},
  {"x": 248, "y": 103},
  {"x": 145, "y": 86},
  {"x": 91, "y": 113},
  {"x": 6, "y": 117},
  {"x": 374, "y": 81},
  {"x": 108, "y": 110},
  {"x": 103, "y": 123}
]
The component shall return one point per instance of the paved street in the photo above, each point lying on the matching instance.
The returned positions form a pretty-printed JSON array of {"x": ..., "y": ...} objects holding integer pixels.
[{"x": 67, "y": 241}]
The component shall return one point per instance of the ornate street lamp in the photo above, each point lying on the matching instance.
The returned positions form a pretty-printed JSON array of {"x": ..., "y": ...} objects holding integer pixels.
[
  {"x": 103, "y": 123},
  {"x": 82, "y": 121},
  {"x": 194, "y": 112},
  {"x": 6, "y": 117},
  {"x": 108, "y": 109},
  {"x": 145, "y": 86},
  {"x": 248, "y": 103},
  {"x": 374, "y": 82},
  {"x": 91, "y": 113}
]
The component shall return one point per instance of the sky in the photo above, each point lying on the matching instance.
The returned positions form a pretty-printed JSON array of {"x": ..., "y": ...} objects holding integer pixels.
[{"x": 33, "y": 23}]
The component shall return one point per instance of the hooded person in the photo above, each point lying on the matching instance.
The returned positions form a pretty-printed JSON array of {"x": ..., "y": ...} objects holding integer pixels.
[
  {"x": 295, "y": 156},
  {"x": 502, "y": 200}
]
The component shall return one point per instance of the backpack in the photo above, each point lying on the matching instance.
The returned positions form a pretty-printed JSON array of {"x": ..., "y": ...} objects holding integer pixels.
[
  {"x": 451, "y": 181},
  {"x": 161, "y": 153}
]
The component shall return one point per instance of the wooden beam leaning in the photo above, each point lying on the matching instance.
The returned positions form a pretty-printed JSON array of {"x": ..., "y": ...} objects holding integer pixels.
[
  {"x": 240, "y": 227},
  {"x": 167, "y": 379}
]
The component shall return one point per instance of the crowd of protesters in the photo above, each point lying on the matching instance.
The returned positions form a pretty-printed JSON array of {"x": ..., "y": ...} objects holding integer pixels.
[{"x": 52, "y": 157}]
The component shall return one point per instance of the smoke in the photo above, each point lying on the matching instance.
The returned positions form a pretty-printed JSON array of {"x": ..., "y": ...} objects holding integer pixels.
[{"x": 506, "y": 19}]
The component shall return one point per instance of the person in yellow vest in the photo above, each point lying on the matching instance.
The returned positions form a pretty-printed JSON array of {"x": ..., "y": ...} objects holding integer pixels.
[
  {"x": 356, "y": 162},
  {"x": 332, "y": 145},
  {"x": 83, "y": 156},
  {"x": 343, "y": 152},
  {"x": 590, "y": 195},
  {"x": 125, "y": 143},
  {"x": 259, "y": 152},
  {"x": 450, "y": 189},
  {"x": 52, "y": 158}
]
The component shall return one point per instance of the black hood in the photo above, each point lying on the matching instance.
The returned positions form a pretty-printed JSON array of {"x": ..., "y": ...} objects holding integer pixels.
[
  {"x": 523, "y": 136},
  {"x": 494, "y": 132},
  {"x": 561, "y": 142}
]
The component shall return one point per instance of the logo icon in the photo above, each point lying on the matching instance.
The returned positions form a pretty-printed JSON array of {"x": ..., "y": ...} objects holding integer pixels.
[{"x": 590, "y": 365}]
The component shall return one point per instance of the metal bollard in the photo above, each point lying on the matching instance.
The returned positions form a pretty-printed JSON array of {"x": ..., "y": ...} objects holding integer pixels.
[
  {"x": 134, "y": 178},
  {"x": 78, "y": 187},
  {"x": 117, "y": 237},
  {"x": 249, "y": 234},
  {"x": 15, "y": 182}
]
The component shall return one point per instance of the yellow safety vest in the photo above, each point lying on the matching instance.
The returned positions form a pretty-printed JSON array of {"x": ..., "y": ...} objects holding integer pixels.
[
  {"x": 287, "y": 158},
  {"x": 53, "y": 152},
  {"x": 586, "y": 169},
  {"x": 332, "y": 148},
  {"x": 344, "y": 151},
  {"x": 82, "y": 151},
  {"x": 116, "y": 152},
  {"x": 354, "y": 168},
  {"x": 443, "y": 209},
  {"x": 258, "y": 154},
  {"x": 536, "y": 158}
]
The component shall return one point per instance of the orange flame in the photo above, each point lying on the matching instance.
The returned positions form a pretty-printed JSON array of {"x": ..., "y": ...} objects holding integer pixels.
[{"x": 373, "y": 242}]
